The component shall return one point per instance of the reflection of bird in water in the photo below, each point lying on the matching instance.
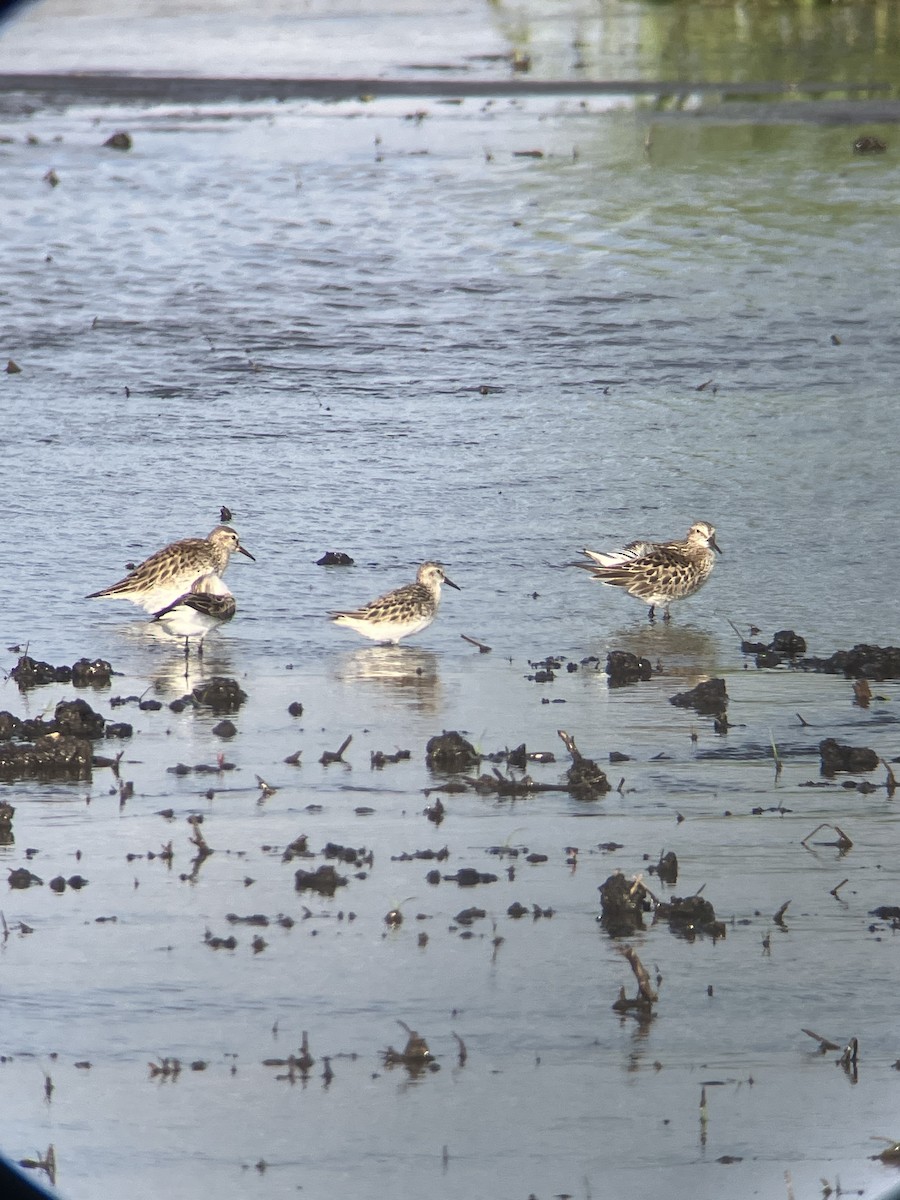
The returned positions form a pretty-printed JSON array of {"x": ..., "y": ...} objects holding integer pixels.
[
  {"x": 165, "y": 576},
  {"x": 400, "y": 613},
  {"x": 658, "y": 572},
  {"x": 198, "y": 612},
  {"x": 403, "y": 673}
]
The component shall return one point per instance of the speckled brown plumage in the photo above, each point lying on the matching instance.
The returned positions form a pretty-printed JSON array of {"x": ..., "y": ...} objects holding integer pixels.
[
  {"x": 658, "y": 573},
  {"x": 168, "y": 574},
  {"x": 402, "y": 612}
]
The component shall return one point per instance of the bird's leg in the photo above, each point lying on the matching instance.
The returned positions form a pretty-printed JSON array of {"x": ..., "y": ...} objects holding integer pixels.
[
  {"x": 186, "y": 656},
  {"x": 667, "y": 616},
  {"x": 651, "y": 616}
]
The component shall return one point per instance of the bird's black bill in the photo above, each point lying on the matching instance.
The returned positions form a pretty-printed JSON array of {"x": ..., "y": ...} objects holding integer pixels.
[{"x": 241, "y": 550}]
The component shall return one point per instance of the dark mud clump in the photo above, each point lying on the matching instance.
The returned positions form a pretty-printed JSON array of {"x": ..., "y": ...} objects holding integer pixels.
[
  {"x": 7, "y": 812},
  {"x": 71, "y": 717},
  {"x": 864, "y": 660},
  {"x": 29, "y": 673},
  {"x": 57, "y": 749},
  {"x": 54, "y": 756},
  {"x": 708, "y": 698},
  {"x": 623, "y": 903},
  {"x": 450, "y": 753},
  {"x": 690, "y": 916},
  {"x": 220, "y": 694},
  {"x": 873, "y": 662},
  {"x": 838, "y": 757},
  {"x": 585, "y": 779},
  {"x": 324, "y": 880},
  {"x": 334, "y": 558},
  {"x": 623, "y": 668}
]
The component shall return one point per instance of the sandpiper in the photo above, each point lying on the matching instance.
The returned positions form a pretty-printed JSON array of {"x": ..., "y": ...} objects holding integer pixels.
[
  {"x": 198, "y": 612},
  {"x": 402, "y": 612},
  {"x": 169, "y": 573},
  {"x": 658, "y": 572}
]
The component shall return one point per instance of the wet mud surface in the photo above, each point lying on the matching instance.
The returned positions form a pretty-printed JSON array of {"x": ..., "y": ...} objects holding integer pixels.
[{"x": 484, "y": 913}]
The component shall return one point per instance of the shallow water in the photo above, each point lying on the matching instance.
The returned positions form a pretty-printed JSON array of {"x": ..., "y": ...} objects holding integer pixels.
[{"x": 369, "y": 326}]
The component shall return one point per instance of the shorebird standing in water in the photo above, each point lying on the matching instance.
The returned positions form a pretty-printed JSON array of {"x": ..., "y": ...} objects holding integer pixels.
[
  {"x": 168, "y": 574},
  {"x": 400, "y": 613},
  {"x": 198, "y": 612},
  {"x": 658, "y": 572}
]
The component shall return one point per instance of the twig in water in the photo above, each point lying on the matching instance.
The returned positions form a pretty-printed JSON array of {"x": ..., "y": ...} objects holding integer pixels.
[
  {"x": 333, "y": 756},
  {"x": 482, "y": 648},
  {"x": 891, "y": 783},
  {"x": 778, "y": 763}
]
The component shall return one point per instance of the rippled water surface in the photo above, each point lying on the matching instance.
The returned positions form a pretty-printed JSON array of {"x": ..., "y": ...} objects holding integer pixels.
[{"x": 380, "y": 326}]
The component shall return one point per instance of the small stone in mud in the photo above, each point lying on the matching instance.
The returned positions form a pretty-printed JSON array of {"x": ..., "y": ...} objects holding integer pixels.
[
  {"x": 324, "y": 880},
  {"x": 433, "y": 877},
  {"x": 57, "y": 884},
  {"x": 225, "y": 729},
  {"x": 517, "y": 910},
  {"x": 450, "y": 752},
  {"x": 623, "y": 668},
  {"x": 77, "y": 882},
  {"x": 334, "y": 558},
  {"x": 119, "y": 141},
  {"x": 295, "y": 709},
  {"x": 119, "y": 729},
  {"x": 838, "y": 757},
  {"x": 708, "y": 698},
  {"x": 150, "y": 705}
]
